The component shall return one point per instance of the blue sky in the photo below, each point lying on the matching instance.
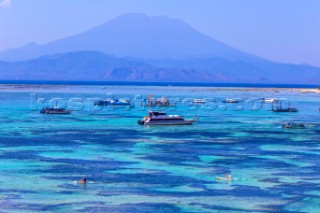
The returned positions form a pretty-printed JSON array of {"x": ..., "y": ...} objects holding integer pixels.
[{"x": 280, "y": 30}]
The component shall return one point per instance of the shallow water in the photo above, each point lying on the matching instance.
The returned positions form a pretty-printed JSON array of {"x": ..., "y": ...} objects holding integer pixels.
[{"x": 133, "y": 168}]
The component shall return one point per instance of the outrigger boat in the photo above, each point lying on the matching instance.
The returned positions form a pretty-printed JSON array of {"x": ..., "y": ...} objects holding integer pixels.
[{"x": 161, "y": 118}]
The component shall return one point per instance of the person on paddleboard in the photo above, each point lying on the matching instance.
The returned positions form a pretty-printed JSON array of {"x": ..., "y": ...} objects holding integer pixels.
[
  {"x": 83, "y": 181},
  {"x": 228, "y": 176}
]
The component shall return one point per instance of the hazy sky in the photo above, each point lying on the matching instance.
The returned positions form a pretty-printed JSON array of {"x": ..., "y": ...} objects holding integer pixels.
[{"x": 280, "y": 30}]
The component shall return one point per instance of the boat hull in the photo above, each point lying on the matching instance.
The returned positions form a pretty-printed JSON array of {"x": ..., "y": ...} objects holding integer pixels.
[
  {"x": 230, "y": 102},
  {"x": 285, "y": 110},
  {"x": 58, "y": 113},
  {"x": 55, "y": 111},
  {"x": 294, "y": 127},
  {"x": 269, "y": 100},
  {"x": 166, "y": 123}
]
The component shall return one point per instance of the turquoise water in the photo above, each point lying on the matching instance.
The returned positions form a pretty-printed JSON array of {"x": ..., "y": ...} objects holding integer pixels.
[{"x": 133, "y": 168}]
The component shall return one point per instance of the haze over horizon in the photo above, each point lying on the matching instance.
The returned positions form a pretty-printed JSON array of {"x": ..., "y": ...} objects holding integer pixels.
[{"x": 286, "y": 31}]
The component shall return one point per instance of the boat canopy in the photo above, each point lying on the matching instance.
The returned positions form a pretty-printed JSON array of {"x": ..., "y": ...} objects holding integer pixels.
[{"x": 156, "y": 113}]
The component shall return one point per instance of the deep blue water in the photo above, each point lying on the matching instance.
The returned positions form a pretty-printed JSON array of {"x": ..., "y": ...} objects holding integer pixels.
[{"x": 133, "y": 168}]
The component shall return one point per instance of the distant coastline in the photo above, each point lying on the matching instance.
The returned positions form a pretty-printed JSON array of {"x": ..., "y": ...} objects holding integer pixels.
[{"x": 136, "y": 83}]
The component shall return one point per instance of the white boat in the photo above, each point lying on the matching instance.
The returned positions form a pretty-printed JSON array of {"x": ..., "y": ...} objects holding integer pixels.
[
  {"x": 114, "y": 102},
  {"x": 161, "y": 118},
  {"x": 199, "y": 101},
  {"x": 269, "y": 100},
  {"x": 231, "y": 100}
]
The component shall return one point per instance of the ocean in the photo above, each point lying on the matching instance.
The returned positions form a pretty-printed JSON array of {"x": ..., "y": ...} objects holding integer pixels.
[{"x": 136, "y": 168}]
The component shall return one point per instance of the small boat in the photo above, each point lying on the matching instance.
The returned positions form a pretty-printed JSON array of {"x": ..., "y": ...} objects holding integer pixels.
[
  {"x": 199, "y": 101},
  {"x": 280, "y": 109},
  {"x": 294, "y": 125},
  {"x": 54, "y": 110},
  {"x": 269, "y": 100},
  {"x": 159, "y": 102},
  {"x": 161, "y": 118},
  {"x": 113, "y": 102},
  {"x": 231, "y": 100}
]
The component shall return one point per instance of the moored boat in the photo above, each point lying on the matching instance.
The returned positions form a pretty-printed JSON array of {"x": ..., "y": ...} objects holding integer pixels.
[
  {"x": 54, "y": 110},
  {"x": 269, "y": 100},
  {"x": 199, "y": 101},
  {"x": 161, "y": 118},
  {"x": 294, "y": 125},
  {"x": 231, "y": 100},
  {"x": 280, "y": 109},
  {"x": 113, "y": 102},
  {"x": 156, "y": 102}
]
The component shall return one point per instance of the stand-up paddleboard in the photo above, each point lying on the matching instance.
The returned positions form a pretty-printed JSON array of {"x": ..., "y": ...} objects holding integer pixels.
[
  {"x": 224, "y": 178},
  {"x": 90, "y": 182},
  {"x": 312, "y": 125},
  {"x": 221, "y": 178}
]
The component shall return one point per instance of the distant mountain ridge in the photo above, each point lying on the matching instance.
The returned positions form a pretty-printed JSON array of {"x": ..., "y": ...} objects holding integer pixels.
[
  {"x": 97, "y": 66},
  {"x": 135, "y": 47}
]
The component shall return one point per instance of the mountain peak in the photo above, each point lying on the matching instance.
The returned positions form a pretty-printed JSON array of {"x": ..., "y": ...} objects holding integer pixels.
[
  {"x": 129, "y": 16},
  {"x": 143, "y": 17},
  {"x": 136, "y": 35}
]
